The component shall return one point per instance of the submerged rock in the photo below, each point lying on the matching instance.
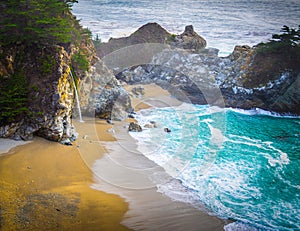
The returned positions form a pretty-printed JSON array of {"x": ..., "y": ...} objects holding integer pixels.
[{"x": 167, "y": 130}]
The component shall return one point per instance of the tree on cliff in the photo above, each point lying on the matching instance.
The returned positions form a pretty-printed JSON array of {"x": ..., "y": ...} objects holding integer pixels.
[
  {"x": 36, "y": 21},
  {"x": 286, "y": 42}
]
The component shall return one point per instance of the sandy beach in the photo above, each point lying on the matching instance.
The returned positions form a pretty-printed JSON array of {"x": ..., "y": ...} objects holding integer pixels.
[
  {"x": 49, "y": 186},
  {"x": 46, "y": 186},
  {"x": 127, "y": 172}
]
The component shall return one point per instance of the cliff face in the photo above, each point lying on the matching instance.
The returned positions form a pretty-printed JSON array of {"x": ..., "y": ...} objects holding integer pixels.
[
  {"x": 50, "y": 93},
  {"x": 102, "y": 95},
  {"x": 248, "y": 78},
  {"x": 49, "y": 99},
  {"x": 44, "y": 59}
]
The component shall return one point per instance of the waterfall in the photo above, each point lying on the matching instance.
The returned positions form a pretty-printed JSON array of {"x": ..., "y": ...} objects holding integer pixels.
[{"x": 77, "y": 97}]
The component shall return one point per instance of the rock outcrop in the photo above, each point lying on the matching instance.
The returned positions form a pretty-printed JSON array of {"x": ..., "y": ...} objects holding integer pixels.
[
  {"x": 189, "y": 40},
  {"x": 154, "y": 33},
  {"x": 103, "y": 96},
  {"x": 39, "y": 79},
  {"x": 134, "y": 127},
  {"x": 50, "y": 96},
  {"x": 245, "y": 79}
]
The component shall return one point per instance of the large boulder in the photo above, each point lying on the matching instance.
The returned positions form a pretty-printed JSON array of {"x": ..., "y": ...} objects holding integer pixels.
[{"x": 134, "y": 127}]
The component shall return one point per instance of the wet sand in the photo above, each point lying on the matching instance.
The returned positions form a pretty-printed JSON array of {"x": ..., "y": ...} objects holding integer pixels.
[{"x": 127, "y": 172}]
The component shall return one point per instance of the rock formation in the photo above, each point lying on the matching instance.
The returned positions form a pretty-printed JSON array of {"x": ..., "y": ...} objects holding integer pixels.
[
  {"x": 50, "y": 95},
  {"x": 103, "y": 96},
  {"x": 154, "y": 33},
  {"x": 245, "y": 79},
  {"x": 189, "y": 40},
  {"x": 134, "y": 127},
  {"x": 37, "y": 88}
]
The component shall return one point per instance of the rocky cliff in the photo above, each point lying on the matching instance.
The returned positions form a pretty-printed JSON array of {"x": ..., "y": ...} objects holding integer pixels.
[
  {"x": 102, "y": 95},
  {"x": 37, "y": 89},
  {"x": 49, "y": 91},
  {"x": 49, "y": 98},
  {"x": 248, "y": 78}
]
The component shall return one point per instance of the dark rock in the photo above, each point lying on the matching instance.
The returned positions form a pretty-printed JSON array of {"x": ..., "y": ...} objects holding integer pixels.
[
  {"x": 134, "y": 127},
  {"x": 138, "y": 91},
  {"x": 109, "y": 121},
  {"x": 167, "y": 130},
  {"x": 66, "y": 142},
  {"x": 131, "y": 116},
  {"x": 189, "y": 40}
]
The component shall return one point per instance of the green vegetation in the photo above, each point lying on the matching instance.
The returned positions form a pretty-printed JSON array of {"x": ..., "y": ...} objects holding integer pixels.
[
  {"x": 31, "y": 33},
  {"x": 286, "y": 42},
  {"x": 13, "y": 98},
  {"x": 79, "y": 61},
  {"x": 97, "y": 41},
  {"x": 48, "y": 64},
  {"x": 36, "y": 21}
]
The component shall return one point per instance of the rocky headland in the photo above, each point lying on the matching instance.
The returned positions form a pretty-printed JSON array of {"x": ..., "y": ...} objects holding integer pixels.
[{"x": 250, "y": 77}]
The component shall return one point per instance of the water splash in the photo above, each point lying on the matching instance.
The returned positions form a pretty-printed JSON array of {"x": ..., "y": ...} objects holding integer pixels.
[{"x": 77, "y": 98}]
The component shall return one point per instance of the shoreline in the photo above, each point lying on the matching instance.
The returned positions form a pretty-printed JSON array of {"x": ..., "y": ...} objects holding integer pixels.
[
  {"x": 7, "y": 145},
  {"x": 127, "y": 172}
]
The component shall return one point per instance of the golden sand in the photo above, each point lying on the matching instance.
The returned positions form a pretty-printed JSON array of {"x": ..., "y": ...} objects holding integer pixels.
[
  {"x": 154, "y": 96},
  {"x": 46, "y": 186}
]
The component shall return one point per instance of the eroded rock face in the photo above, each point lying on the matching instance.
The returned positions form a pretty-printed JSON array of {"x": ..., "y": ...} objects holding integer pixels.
[
  {"x": 103, "y": 96},
  {"x": 238, "y": 81},
  {"x": 50, "y": 96},
  {"x": 51, "y": 93}
]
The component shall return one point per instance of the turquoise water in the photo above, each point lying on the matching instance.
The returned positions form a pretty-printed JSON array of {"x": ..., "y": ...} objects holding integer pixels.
[{"x": 242, "y": 165}]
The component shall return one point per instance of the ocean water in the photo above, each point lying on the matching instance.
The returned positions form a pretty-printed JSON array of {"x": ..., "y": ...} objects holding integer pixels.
[
  {"x": 223, "y": 23},
  {"x": 240, "y": 164},
  {"x": 243, "y": 165}
]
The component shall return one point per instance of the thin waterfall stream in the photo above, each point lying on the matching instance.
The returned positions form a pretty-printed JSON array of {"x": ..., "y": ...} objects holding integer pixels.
[{"x": 77, "y": 98}]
